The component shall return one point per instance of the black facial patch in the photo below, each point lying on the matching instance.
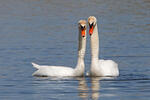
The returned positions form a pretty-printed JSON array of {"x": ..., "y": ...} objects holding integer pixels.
[
  {"x": 82, "y": 27},
  {"x": 91, "y": 25}
]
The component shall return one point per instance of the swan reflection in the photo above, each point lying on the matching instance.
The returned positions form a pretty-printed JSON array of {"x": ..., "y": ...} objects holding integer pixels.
[
  {"x": 83, "y": 89},
  {"x": 94, "y": 91},
  {"x": 85, "y": 92},
  {"x": 95, "y": 87}
]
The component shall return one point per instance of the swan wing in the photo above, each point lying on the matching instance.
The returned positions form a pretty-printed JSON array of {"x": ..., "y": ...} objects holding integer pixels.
[
  {"x": 108, "y": 67},
  {"x": 54, "y": 71}
]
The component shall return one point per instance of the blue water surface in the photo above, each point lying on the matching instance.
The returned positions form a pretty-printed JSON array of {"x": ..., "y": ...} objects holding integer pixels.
[{"x": 45, "y": 32}]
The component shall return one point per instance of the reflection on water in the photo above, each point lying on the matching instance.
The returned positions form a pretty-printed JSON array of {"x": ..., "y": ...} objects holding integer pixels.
[
  {"x": 83, "y": 88},
  {"x": 93, "y": 91},
  {"x": 95, "y": 87},
  {"x": 84, "y": 91}
]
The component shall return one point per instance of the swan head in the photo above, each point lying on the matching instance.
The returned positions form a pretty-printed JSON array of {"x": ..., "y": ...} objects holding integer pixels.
[
  {"x": 82, "y": 26},
  {"x": 92, "y": 22}
]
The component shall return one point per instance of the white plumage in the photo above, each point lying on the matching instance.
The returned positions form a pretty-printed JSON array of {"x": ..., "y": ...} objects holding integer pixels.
[
  {"x": 58, "y": 71},
  {"x": 99, "y": 67}
]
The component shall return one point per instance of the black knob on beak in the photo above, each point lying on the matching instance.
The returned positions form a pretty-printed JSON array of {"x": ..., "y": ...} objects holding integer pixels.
[
  {"x": 82, "y": 27},
  {"x": 91, "y": 25}
]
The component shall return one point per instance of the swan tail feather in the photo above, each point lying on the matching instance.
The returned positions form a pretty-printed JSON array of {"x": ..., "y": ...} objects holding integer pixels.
[{"x": 35, "y": 65}]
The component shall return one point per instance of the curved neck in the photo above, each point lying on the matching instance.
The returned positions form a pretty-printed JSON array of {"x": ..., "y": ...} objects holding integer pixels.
[
  {"x": 95, "y": 43},
  {"x": 81, "y": 45},
  {"x": 81, "y": 52}
]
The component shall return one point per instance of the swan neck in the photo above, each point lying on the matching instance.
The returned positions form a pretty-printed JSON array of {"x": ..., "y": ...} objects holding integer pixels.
[
  {"x": 81, "y": 53},
  {"x": 81, "y": 45},
  {"x": 95, "y": 43},
  {"x": 79, "y": 70}
]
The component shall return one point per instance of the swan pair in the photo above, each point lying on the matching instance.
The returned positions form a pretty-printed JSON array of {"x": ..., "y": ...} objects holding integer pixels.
[{"x": 98, "y": 67}]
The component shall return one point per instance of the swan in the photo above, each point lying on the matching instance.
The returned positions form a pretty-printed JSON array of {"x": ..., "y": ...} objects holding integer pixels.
[
  {"x": 99, "y": 67},
  {"x": 60, "y": 71}
]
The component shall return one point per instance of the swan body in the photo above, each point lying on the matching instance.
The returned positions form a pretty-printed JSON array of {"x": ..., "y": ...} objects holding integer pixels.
[
  {"x": 104, "y": 68},
  {"x": 58, "y": 71},
  {"x": 99, "y": 67},
  {"x": 53, "y": 70}
]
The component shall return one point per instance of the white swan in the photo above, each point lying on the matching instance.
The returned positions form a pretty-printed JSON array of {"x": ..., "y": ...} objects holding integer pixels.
[
  {"x": 60, "y": 71},
  {"x": 99, "y": 67}
]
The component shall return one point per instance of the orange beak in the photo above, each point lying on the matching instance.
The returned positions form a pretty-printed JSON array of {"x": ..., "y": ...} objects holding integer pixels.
[
  {"x": 83, "y": 32},
  {"x": 91, "y": 31}
]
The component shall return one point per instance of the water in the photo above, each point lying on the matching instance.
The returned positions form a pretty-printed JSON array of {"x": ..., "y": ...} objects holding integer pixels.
[{"x": 45, "y": 32}]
